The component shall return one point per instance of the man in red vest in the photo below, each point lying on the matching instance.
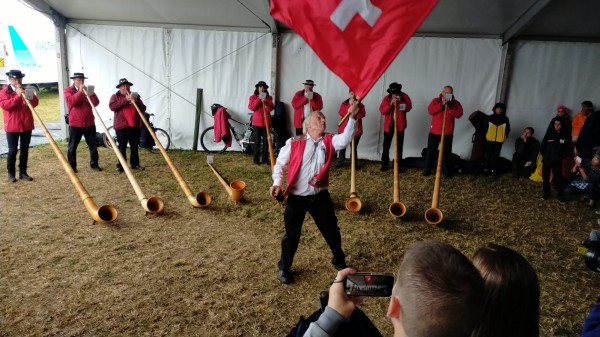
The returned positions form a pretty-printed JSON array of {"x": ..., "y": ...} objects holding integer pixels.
[{"x": 308, "y": 158}]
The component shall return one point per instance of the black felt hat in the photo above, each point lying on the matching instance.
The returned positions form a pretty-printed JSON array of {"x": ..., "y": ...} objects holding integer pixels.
[
  {"x": 14, "y": 73},
  {"x": 122, "y": 82},
  {"x": 261, "y": 84},
  {"x": 78, "y": 75},
  {"x": 309, "y": 82},
  {"x": 395, "y": 88}
]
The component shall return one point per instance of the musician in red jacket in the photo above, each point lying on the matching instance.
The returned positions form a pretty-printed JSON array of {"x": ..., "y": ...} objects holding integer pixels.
[
  {"x": 438, "y": 105},
  {"x": 308, "y": 158},
  {"x": 127, "y": 122},
  {"x": 261, "y": 104},
  {"x": 401, "y": 103},
  {"x": 304, "y": 102},
  {"x": 81, "y": 120},
  {"x": 18, "y": 123},
  {"x": 344, "y": 109}
]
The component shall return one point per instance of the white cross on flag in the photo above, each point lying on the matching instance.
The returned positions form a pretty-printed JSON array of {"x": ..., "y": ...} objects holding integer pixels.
[{"x": 356, "y": 39}]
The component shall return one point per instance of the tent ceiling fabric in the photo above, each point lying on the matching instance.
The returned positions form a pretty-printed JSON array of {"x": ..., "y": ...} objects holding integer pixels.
[{"x": 546, "y": 19}]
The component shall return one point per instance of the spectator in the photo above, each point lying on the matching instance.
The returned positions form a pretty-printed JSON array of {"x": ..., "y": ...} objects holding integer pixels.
[
  {"x": 580, "y": 117},
  {"x": 587, "y": 177},
  {"x": 344, "y": 108},
  {"x": 525, "y": 156},
  {"x": 304, "y": 102},
  {"x": 498, "y": 128},
  {"x": 436, "y": 109},
  {"x": 397, "y": 101},
  {"x": 562, "y": 113},
  {"x": 438, "y": 292},
  {"x": 261, "y": 105},
  {"x": 512, "y": 294},
  {"x": 588, "y": 140},
  {"x": 555, "y": 147},
  {"x": 308, "y": 159}
]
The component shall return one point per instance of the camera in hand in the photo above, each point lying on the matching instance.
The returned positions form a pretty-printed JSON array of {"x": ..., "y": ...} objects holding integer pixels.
[
  {"x": 448, "y": 97},
  {"x": 369, "y": 284}
]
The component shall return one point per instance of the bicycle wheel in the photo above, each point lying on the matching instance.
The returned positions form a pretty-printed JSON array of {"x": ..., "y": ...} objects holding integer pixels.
[
  {"x": 207, "y": 140},
  {"x": 164, "y": 139},
  {"x": 113, "y": 134},
  {"x": 275, "y": 139},
  {"x": 248, "y": 146}
]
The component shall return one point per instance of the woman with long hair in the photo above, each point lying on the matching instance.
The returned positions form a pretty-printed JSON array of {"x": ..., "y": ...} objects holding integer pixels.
[{"x": 261, "y": 104}]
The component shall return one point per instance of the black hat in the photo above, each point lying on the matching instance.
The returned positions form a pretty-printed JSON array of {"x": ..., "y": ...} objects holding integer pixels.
[
  {"x": 395, "y": 88},
  {"x": 15, "y": 74},
  {"x": 123, "y": 81},
  {"x": 261, "y": 84},
  {"x": 309, "y": 82},
  {"x": 78, "y": 75}
]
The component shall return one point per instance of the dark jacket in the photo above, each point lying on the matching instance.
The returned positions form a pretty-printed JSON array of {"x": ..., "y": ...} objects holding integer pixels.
[
  {"x": 498, "y": 128},
  {"x": 589, "y": 136},
  {"x": 556, "y": 145},
  {"x": 527, "y": 151},
  {"x": 117, "y": 103}
]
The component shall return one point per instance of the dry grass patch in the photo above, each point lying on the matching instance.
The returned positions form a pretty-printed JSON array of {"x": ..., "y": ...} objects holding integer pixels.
[{"x": 212, "y": 271}]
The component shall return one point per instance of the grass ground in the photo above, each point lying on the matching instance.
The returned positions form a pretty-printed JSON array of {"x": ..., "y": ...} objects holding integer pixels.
[{"x": 212, "y": 271}]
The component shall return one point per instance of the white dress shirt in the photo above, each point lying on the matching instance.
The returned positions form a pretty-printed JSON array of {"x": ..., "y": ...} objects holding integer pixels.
[{"x": 312, "y": 160}]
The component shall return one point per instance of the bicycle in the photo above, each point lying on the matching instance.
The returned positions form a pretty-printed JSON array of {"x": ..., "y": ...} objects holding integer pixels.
[
  {"x": 245, "y": 139},
  {"x": 161, "y": 135}
]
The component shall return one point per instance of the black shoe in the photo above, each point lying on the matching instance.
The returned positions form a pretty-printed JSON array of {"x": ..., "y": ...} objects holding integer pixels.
[
  {"x": 25, "y": 176},
  {"x": 119, "y": 169},
  {"x": 339, "y": 164},
  {"x": 138, "y": 167},
  {"x": 384, "y": 167},
  {"x": 426, "y": 173},
  {"x": 11, "y": 178},
  {"x": 545, "y": 196},
  {"x": 285, "y": 277},
  {"x": 402, "y": 170},
  {"x": 340, "y": 265},
  {"x": 562, "y": 200},
  {"x": 96, "y": 168}
]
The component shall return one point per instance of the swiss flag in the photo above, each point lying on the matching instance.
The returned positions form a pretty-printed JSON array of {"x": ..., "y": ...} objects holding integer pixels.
[{"x": 356, "y": 39}]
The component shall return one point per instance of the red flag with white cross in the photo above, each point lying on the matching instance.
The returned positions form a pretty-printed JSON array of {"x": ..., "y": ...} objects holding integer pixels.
[{"x": 356, "y": 39}]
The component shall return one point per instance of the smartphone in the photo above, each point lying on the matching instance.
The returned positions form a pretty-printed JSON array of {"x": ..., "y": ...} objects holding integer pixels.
[
  {"x": 262, "y": 95},
  {"x": 578, "y": 160},
  {"x": 369, "y": 284},
  {"x": 449, "y": 97},
  {"x": 403, "y": 106}
]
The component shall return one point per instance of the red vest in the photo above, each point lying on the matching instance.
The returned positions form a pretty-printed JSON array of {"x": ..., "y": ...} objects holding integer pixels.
[{"x": 321, "y": 179}]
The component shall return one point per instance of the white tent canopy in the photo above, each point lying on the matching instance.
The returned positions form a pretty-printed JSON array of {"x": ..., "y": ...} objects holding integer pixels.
[{"x": 170, "y": 48}]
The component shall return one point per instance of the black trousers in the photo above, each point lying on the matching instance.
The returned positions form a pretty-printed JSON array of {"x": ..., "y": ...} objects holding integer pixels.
[
  {"x": 320, "y": 207},
  {"x": 492, "y": 154},
  {"x": 260, "y": 135},
  {"x": 433, "y": 141},
  {"x": 557, "y": 179},
  {"x": 342, "y": 152},
  {"x": 519, "y": 168},
  {"x": 132, "y": 136},
  {"x": 75, "y": 135},
  {"x": 12, "y": 138},
  {"x": 387, "y": 143}
]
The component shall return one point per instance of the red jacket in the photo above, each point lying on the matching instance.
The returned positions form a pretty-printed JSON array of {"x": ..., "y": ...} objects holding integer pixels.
[
  {"x": 78, "y": 107},
  {"x": 17, "y": 116},
  {"x": 298, "y": 102},
  {"x": 436, "y": 110},
  {"x": 256, "y": 106},
  {"x": 386, "y": 109},
  {"x": 344, "y": 107},
  {"x": 117, "y": 103}
]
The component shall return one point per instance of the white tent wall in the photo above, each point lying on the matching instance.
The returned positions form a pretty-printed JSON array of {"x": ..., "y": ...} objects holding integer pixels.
[
  {"x": 545, "y": 75},
  {"x": 107, "y": 53},
  {"x": 423, "y": 67},
  {"x": 225, "y": 64}
]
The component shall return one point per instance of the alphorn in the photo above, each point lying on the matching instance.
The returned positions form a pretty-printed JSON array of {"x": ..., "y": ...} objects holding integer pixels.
[
  {"x": 397, "y": 208},
  {"x": 102, "y": 214},
  {"x": 433, "y": 215},
  {"x": 198, "y": 200},
  {"x": 152, "y": 205},
  {"x": 353, "y": 203},
  {"x": 235, "y": 189},
  {"x": 268, "y": 127}
]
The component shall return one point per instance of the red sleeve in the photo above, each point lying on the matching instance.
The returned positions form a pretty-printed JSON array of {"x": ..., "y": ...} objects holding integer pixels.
[
  {"x": 253, "y": 103},
  {"x": 317, "y": 102},
  {"x": 35, "y": 101},
  {"x": 435, "y": 106},
  {"x": 343, "y": 110},
  {"x": 457, "y": 110},
  {"x": 117, "y": 102},
  {"x": 74, "y": 98},
  {"x": 269, "y": 105},
  {"x": 299, "y": 100},
  {"x": 95, "y": 100},
  {"x": 385, "y": 107},
  {"x": 362, "y": 112},
  {"x": 10, "y": 103}
]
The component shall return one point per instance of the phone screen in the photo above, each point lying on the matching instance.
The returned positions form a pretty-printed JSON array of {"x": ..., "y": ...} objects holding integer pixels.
[
  {"x": 369, "y": 284},
  {"x": 448, "y": 97}
]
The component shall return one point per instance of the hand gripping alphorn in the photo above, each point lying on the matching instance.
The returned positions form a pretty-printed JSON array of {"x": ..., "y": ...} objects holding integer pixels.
[
  {"x": 102, "y": 214},
  {"x": 152, "y": 205}
]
